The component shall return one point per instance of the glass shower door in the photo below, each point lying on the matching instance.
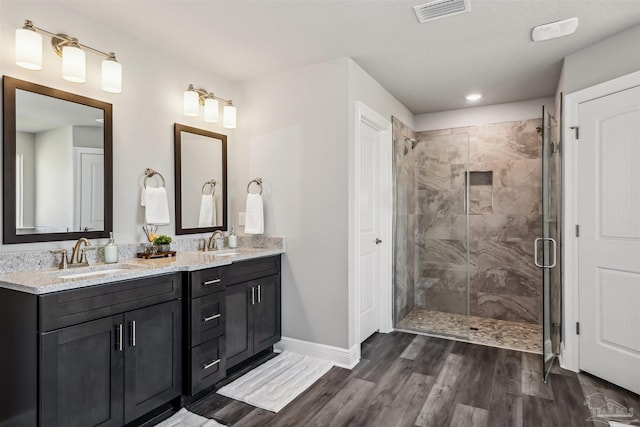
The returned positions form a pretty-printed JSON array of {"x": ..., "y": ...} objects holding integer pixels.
[{"x": 546, "y": 245}]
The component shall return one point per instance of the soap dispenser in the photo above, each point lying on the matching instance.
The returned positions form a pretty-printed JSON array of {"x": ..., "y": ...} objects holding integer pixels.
[
  {"x": 111, "y": 251},
  {"x": 233, "y": 239}
]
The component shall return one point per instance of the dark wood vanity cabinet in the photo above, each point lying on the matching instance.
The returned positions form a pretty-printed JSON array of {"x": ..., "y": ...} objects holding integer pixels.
[
  {"x": 234, "y": 313},
  {"x": 106, "y": 355},
  {"x": 253, "y": 306},
  {"x": 110, "y": 371},
  {"x": 205, "y": 355}
]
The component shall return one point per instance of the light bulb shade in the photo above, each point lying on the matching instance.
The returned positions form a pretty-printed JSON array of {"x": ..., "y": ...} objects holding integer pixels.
[
  {"x": 211, "y": 110},
  {"x": 74, "y": 65},
  {"x": 229, "y": 118},
  {"x": 191, "y": 103},
  {"x": 111, "y": 76},
  {"x": 28, "y": 49}
]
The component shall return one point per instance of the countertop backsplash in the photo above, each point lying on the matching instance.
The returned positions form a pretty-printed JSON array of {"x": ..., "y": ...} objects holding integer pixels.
[{"x": 44, "y": 259}]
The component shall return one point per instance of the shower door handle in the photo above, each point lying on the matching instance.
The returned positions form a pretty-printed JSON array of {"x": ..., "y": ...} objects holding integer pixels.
[{"x": 535, "y": 252}]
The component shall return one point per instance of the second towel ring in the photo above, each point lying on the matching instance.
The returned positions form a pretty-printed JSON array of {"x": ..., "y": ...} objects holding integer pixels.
[
  {"x": 148, "y": 172},
  {"x": 211, "y": 183},
  {"x": 257, "y": 181}
]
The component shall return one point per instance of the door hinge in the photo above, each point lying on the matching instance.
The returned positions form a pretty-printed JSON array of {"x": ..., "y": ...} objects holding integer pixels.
[
  {"x": 577, "y": 328},
  {"x": 577, "y": 129},
  {"x": 577, "y": 230}
]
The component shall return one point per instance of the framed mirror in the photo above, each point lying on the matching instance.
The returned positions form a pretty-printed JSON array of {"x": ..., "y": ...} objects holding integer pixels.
[
  {"x": 58, "y": 162},
  {"x": 201, "y": 180}
]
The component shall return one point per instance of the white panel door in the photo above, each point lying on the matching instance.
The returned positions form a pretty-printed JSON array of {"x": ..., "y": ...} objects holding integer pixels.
[
  {"x": 609, "y": 241},
  {"x": 369, "y": 231},
  {"x": 90, "y": 189}
]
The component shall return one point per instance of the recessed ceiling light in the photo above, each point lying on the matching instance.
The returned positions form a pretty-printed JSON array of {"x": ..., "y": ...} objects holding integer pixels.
[
  {"x": 473, "y": 96},
  {"x": 554, "y": 30}
]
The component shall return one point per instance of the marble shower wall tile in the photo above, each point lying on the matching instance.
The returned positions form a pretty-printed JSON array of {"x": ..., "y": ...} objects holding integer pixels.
[{"x": 503, "y": 284}]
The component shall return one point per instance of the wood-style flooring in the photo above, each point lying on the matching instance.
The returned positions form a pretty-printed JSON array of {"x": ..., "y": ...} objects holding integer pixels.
[{"x": 413, "y": 380}]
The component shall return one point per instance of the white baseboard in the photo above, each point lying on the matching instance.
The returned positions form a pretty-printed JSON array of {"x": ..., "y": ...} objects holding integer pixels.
[{"x": 342, "y": 357}]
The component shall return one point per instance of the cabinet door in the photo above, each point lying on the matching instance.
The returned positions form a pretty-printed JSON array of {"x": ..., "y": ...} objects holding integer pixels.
[
  {"x": 153, "y": 363},
  {"x": 266, "y": 318},
  {"x": 81, "y": 375},
  {"x": 239, "y": 314}
]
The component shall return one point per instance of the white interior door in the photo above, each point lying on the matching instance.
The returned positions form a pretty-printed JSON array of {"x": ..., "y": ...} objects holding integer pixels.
[
  {"x": 609, "y": 239},
  {"x": 369, "y": 230},
  {"x": 89, "y": 189}
]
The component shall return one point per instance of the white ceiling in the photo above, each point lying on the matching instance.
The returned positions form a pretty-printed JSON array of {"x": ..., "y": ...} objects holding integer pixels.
[{"x": 428, "y": 67}]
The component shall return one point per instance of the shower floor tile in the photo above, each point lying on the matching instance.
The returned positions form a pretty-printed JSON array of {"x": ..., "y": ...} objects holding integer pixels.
[{"x": 496, "y": 333}]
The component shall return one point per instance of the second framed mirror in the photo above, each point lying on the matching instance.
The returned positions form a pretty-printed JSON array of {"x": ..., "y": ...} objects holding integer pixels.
[{"x": 201, "y": 180}]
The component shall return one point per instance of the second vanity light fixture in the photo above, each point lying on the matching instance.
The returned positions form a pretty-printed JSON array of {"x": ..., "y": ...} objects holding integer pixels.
[
  {"x": 29, "y": 55},
  {"x": 194, "y": 98}
]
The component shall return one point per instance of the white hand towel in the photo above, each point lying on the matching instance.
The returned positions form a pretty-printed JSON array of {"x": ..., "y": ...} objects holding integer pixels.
[
  {"x": 207, "y": 211},
  {"x": 156, "y": 206},
  {"x": 254, "y": 216}
]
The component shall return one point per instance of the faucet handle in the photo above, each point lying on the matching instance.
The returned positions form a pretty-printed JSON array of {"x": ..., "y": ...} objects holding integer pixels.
[{"x": 64, "y": 261}]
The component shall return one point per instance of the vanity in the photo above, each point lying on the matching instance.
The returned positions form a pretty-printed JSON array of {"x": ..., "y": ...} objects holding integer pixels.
[
  {"x": 114, "y": 346},
  {"x": 118, "y": 344}
]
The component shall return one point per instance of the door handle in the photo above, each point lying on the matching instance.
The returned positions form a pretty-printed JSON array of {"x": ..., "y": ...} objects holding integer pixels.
[
  {"x": 253, "y": 295},
  {"x": 132, "y": 328},
  {"x": 119, "y": 337},
  {"x": 553, "y": 244},
  {"x": 259, "y": 294},
  {"x": 535, "y": 252},
  {"x": 378, "y": 241}
]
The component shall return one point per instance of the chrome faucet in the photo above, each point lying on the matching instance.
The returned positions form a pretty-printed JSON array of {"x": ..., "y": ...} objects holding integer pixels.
[
  {"x": 78, "y": 258},
  {"x": 213, "y": 241}
]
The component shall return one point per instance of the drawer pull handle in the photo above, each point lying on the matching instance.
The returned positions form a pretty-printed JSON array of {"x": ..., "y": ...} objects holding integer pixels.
[
  {"x": 210, "y": 282},
  {"x": 208, "y": 365},
  {"x": 207, "y": 319}
]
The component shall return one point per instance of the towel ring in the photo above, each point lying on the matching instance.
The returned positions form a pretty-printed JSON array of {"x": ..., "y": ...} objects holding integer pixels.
[
  {"x": 148, "y": 172},
  {"x": 257, "y": 181},
  {"x": 211, "y": 183}
]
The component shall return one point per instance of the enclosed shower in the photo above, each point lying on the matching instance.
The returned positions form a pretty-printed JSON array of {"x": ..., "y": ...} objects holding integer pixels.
[{"x": 468, "y": 208}]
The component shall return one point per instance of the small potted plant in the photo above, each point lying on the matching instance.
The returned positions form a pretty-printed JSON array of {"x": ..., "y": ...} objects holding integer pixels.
[{"x": 162, "y": 242}]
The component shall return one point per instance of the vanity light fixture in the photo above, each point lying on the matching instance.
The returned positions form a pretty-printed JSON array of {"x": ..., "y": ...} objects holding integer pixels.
[
  {"x": 29, "y": 55},
  {"x": 194, "y": 98}
]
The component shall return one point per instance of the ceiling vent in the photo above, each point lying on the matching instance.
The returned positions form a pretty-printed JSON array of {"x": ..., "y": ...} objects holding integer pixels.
[{"x": 440, "y": 9}]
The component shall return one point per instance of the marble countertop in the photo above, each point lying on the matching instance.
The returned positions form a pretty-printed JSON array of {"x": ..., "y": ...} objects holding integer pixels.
[{"x": 54, "y": 280}]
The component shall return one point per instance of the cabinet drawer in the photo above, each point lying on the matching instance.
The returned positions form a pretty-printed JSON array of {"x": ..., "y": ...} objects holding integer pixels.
[
  {"x": 66, "y": 308},
  {"x": 249, "y": 270},
  {"x": 208, "y": 364},
  {"x": 204, "y": 282},
  {"x": 207, "y": 318}
]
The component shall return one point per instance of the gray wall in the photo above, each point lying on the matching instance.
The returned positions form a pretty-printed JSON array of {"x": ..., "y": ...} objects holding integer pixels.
[{"x": 605, "y": 60}]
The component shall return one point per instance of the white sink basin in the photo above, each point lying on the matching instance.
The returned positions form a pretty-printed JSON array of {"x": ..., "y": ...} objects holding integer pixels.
[
  {"x": 95, "y": 271},
  {"x": 226, "y": 253}
]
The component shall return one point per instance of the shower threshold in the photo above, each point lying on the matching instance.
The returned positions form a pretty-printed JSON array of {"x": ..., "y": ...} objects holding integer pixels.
[{"x": 519, "y": 336}]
